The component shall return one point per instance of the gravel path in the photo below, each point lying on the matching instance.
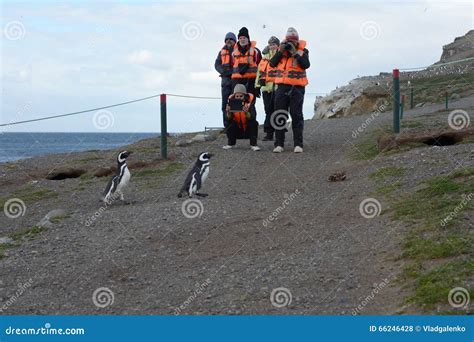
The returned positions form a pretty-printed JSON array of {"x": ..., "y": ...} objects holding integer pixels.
[{"x": 154, "y": 260}]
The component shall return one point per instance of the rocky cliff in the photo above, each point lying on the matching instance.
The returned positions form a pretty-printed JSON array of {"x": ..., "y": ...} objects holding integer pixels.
[{"x": 373, "y": 93}]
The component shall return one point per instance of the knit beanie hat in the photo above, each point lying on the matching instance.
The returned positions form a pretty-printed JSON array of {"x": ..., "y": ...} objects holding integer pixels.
[
  {"x": 230, "y": 35},
  {"x": 240, "y": 88},
  {"x": 244, "y": 32},
  {"x": 292, "y": 34},
  {"x": 274, "y": 40}
]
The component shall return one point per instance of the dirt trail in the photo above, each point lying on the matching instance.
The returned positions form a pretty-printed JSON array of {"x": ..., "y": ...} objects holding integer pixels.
[{"x": 230, "y": 259}]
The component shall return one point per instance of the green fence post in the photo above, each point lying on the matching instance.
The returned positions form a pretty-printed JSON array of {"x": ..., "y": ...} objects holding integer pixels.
[
  {"x": 446, "y": 100},
  {"x": 411, "y": 98},
  {"x": 396, "y": 101},
  {"x": 164, "y": 133}
]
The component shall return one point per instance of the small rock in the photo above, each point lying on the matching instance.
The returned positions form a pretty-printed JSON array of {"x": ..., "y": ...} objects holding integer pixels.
[
  {"x": 455, "y": 96},
  {"x": 6, "y": 240},
  {"x": 185, "y": 142}
]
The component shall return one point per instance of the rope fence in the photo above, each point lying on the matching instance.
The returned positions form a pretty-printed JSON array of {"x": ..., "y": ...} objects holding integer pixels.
[{"x": 398, "y": 101}]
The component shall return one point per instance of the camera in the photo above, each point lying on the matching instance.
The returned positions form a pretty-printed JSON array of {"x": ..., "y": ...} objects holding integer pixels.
[{"x": 288, "y": 46}]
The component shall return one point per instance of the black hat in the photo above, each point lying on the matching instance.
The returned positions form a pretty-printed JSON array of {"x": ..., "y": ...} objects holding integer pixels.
[{"x": 243, "y": 32}]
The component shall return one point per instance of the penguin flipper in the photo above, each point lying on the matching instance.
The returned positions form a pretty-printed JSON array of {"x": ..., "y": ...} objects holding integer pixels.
[{"x": 111, "y": 187}]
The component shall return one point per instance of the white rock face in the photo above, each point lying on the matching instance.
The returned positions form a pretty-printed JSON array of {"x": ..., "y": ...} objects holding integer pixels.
[{"x": 360, "y": 96}]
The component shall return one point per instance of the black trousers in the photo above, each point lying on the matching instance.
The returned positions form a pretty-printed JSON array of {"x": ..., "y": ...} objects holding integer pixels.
[
  {"x": 249, "y": 83},
  {"x": 290, "y": 98},
  {"x": 234, "y": 132},
  {"x": 226, "y": 90},
  {"x": 269, "y": 105}
]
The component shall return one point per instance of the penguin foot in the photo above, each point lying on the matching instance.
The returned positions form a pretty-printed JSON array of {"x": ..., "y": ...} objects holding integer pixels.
[{"x": 202, "y": 195}]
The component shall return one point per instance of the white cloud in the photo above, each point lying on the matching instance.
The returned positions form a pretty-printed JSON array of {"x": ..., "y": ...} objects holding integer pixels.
[
  {"x": 140, "y": 57},
  {"x": 85, "y": 53}
]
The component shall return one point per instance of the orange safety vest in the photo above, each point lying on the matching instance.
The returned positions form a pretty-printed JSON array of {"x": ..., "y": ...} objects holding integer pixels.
[
  {"x": 249, "y": 57},
  {"x": 288, "y": 70},
  {"x": 226, "y": 58},
  {"x": 267, "y": 72},
  {"x": 241, "y": 117}
]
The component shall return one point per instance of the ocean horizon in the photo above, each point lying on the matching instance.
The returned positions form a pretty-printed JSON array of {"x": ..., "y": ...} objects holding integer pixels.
[{"x": 22, "y": 145}]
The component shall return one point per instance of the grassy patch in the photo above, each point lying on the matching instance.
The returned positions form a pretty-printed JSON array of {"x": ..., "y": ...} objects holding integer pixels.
[
  {"x": 87, "y": 159},
  {"x": 436, "y": 249},
  {"x": 386, "y": 172},
  {"x": 58, "y": 219},
  {"x": 18, "y": 237},
  {"x": 30, "y": 194},
  {"x": 433, "y": 286},
  {"x": 388, "y": 188},
  {"x": 366, "y": 147},
  {"x": 161, "y": 171}
]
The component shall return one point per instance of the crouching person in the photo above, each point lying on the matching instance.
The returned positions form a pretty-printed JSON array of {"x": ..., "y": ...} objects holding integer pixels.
[{"x": 242, "y": 123}]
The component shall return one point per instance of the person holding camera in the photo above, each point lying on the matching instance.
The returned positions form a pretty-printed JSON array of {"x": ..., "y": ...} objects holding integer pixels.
[
  {"x": 264, "y": 81},
  {"x": 291, "y": 61},
  {"x": 223, "y": 66},
  {"x": 242, "y": 123},
  {"x": 246, "y": 58}
]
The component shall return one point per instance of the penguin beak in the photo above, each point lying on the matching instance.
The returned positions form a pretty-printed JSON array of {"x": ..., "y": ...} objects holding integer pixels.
[{"x": 210, "y": 155}]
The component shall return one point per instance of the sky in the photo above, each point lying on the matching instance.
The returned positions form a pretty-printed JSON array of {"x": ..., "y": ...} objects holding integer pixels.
[{"x": 65, "y": 56}]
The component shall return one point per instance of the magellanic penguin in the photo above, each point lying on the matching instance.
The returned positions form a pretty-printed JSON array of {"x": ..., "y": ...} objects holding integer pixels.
[
  {"x": 197, "y": 176},
  {"x": 119, "y": 181}
]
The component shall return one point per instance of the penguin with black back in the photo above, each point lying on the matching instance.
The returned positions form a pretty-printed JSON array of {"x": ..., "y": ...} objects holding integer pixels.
[
  {"x": 197, "y": 176},
  {"x": 119, "y": 181}
]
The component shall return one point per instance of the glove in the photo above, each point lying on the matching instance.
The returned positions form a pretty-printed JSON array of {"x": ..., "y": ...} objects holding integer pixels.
[
  {"x": 248, "y": 115},
  {"x": 243, "y": 68},
  {"x": 261, "y": 82},
  {"x": 266, "y": 50}
]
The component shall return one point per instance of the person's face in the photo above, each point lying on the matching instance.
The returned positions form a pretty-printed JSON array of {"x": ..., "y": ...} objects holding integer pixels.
[
  {"x": 229, "y": 42},
  {"x": 273, "y": 46},
  {"x": 239, "y": 96},
  {"x": 243, "y": 41}
]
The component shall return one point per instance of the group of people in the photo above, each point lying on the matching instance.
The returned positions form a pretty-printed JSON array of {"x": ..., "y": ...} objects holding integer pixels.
[{"x": 277, "y": 74}]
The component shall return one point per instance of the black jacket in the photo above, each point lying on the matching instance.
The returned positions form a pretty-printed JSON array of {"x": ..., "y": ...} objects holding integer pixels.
[{"x": 223, "y": 71}]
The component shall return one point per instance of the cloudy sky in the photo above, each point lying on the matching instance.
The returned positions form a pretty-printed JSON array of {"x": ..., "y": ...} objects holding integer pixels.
[{"x": 64, "y": 56}]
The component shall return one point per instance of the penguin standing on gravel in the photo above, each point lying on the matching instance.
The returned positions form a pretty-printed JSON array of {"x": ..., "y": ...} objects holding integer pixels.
[
  {"x": 119, "y": 181},
  {"x": 197, "y": 176}
]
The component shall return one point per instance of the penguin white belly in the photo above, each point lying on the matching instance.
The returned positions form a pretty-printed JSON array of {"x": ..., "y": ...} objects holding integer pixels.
[
  {"x": 204, "y": 175},
  {"x": 125, "y": 179}
]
